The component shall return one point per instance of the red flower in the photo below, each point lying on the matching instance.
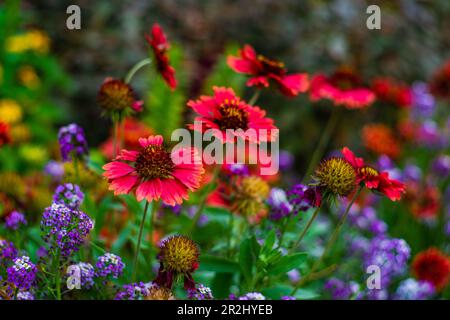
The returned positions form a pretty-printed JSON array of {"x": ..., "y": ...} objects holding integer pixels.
[
  {"x": 433, "y": 266},
  {"x": 440, "y": 83},
  {"x": 392, "y": 92},
  {"x": 225, "y": 111},
  {"x": 159, "y": 44},
  {"x": 5, "y": 136},
  {"x": 343, "y": 88},
  {"x": 263, "y": 70},
  {"x": 372, "y": 179},
  {"x": 154, "y": 173},
  {"x": 381, "y": 139}
]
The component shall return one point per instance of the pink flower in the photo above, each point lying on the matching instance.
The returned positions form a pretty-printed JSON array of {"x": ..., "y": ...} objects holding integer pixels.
[
  {"x": 154, "y": 173},
  {"x": 263, "y": 70},
  {"x": 224, "y": 110}
]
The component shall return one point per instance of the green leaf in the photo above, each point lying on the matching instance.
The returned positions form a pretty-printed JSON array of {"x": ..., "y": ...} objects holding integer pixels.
[
  {"x": 287, "y": 263},
  {"x": 268, "y": 244},
  {"x": 246, "y": 259},
  {"x": 218, "y": 264},
  {"x": 221, "y": 285}
]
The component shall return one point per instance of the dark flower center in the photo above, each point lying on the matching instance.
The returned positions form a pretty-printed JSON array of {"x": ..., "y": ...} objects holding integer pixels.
[
  {"x": 232, "y": 116},
  {"x": 345, "y": 79},
  {"x": 271, "y": 66},
  {"x": 369, "y": 171},
  {"x": 115, "y": 95},
  {"x": 154, "y": 162}
]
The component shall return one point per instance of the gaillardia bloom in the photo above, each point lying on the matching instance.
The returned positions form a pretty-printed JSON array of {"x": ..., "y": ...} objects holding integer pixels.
[
  {"x": 391, "y": 91},
  {"x": 263, "y": 70},
  {"x": 380, "y": 139},
  {"x": 433, "y": 266},
  {"x": 250, "y": 195},
  {"x": 344, "y": 88},
  {"x": 336, "y": 176},
  {"x": 225, "y": 111},
  {"x": 178, "y": 257},
  {"x": 117, "y": 98},
  {"x": 156, "y": 292},
  {"x": 159, "y": 44},
  {"x": 155, "y": 173},
  {"x": 372, "y": 179}
]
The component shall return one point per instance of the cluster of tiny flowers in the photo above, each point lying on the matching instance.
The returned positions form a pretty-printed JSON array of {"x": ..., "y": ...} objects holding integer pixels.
[
  {"x": 340, "y": 290},
  {"x": 411, "y": 289},
  {"x": 366, "y": 220},
  {"x": 64, "y": 227},
  {"x": 55, "y": 170},
  {"x": 109, "y": 264},
  {"x": 288, "y": 298},
  {"x": 7, "y": 251},
  {"x": 423, "y": 101},
  {"x": 72, "y": 142},
  {"x": 22, "y": 273},
  {"x": 69, "y": 195},
  {"x": 14, "y": 220},
  {"x": 390, "y": 255},
  {"x": 82, "y": 272},
  {"x": 200, "y": 293},
  {"x": 302, "y": 197},
  {"x": 279, "y": 204},
  {"x": 133, "y": 291},
  {"x": 252, "y": 296},
  {"x": 238, "y": 169},
  {"x": 441, "y": 166},
  {"x": 24, "y": 295}
]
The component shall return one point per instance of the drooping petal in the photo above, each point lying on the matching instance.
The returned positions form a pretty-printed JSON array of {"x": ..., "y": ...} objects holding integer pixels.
[
  {"x": 292, "y": 85},
  {"x": 123, "y": 185}
]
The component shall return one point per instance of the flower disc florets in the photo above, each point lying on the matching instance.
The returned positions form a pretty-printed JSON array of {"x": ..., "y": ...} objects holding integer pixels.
[
  {"x": 337, "y": 176},
  {"x": 179, "y": 254}
]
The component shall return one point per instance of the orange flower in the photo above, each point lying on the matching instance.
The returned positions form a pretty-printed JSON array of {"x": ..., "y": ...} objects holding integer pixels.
[{"x": 380, "y": 139}]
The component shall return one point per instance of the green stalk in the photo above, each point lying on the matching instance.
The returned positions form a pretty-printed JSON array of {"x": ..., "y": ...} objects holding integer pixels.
[
  {"x": 305, "y": 230},
  {"x": 255, "y": 97},
  {"x": 136, "y": 68},
  {"x": 138, "y": 248}
]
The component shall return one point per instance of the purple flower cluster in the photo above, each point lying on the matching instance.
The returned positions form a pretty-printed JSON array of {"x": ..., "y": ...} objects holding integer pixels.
[
  {"x": 238, "y": 169},
  {"x": 411, "y": 289},
  {"x": 69, "y": 195},
  {"x": 72, "y": 142},
  {"x": 279, "y": 204},
  {"x": 7, "y": 251},
  {"x": 14, "y": 220},
  {"x": 422, "y": 100},
  {"x": 55, "y": 170},
  {"x": 441, "y": 166},
  {"x": 109, "y": 264},
  {"x": 22, "y": 273},
  {"x": 85, "y": 273},
  {"x": 65, "y": 228},
  {"x": 252, "y": 296},
  {"x": 200, "y": 292},
  {"x": 340, "y": 290},
  {"x": 390, "y": 255},
  {"x": 302, "y": 197},
  {"x": 288, "y": 298},
  {"x": 366, "y": 220},
  {"x": 286, "y": 160},
  {"x": 133, "y": 291},
  {"x": 24, "y": 295}
]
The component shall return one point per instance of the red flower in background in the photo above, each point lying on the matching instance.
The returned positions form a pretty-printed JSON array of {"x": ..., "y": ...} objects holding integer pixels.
[
  {"x": 372, "y": 179},
  {"x": 440, "y": 83},
  {"x": 153, "y": 174},
  {"x": 433, "y": 266},
  {"x": 225, "y": 111},
  {"x": 5, "y": 136},
  {"x": 263, "y": 70},
  {"x": 159, "y": 44},
  {"x": 389, "y": 90},
  {"x": 424, "y": 200},
  {"x": 344, "y": 88},
  {"x": 380, "y": 139}
]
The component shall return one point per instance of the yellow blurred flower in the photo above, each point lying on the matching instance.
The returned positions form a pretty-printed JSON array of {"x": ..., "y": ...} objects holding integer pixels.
[
  {"x": 33, "y": 154},
  {"x": 28, "y": 77},
  {"x": 34, "y": 40},
  {"x": 20, "y": 133},
  {"x": 10, "y": 111}
]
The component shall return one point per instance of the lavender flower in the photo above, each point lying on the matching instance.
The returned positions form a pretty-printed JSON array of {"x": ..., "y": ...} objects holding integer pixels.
[
  {"x": 441, "y": 166},
  {"x": 22, "y": 273},
  {"x": 412, "y": 173},
  {"x": 252, "y": 296},
  {"x": 422, "y": 100},
  {"x": 69, "y": 195},
  {"x": 7, "y": 251},
  {"x": 366, "y": 220},
  {"x": 55, "y": 170},
  {"x": 280, "y": 206},
  {"x": 109, "y": 264},
  {"x": 302, "y": 197},
  {"x": 288, "y": 298},
  {"x": 85, "y": 273},
  {"x": 72, "y": 142},
  {"x": 14, "y": 220},
  {"x": 65, "y": 228},
  {"x": 340, "y": 290},
  {"x": 133, "y": 291},
  {"x": 286, "y": 160},
  {"x": 24, "y": 295},
  {"x": 411, "y": 289},
  {"x": 200, "y": 293},
  {"x": 238, "y": 169}
]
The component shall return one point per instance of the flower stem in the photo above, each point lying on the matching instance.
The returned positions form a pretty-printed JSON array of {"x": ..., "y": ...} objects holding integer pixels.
[
  {"x": 330, "y": 242},
  {"x": 323, "y": 142},
  {"x": 75, "y": 168},
  {"x": 138, "y": 248},
  {"x": 230, "y": 232},
  {"x": 115, "y": 136},
  {"x": 305, "y": 230},
  {"x": 136, "y": 68},
  {"x": 255, "y": 97},
  {"x": 57, "y": 275},
  {"x": 283, "y": 230}
]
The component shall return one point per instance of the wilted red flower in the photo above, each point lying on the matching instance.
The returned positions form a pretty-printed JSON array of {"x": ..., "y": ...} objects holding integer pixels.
[
  {"x": 154, "y": 172},
  {"x": 372, "y": 179},
  {"x": 389, "y": 90},
  {"x": 159, "y": 44},
  {"x": 5, "y": 136},
  {"x": 440, "y": 83},
  {"x": 343, "y": 88},
  {"x": 263, "y": 70},
  {"x": 433, "y": 266},
  {"x": 225, "y": 111},
  {"x": 117, "y": 97},
  {"x": 380, "y": 139}
]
